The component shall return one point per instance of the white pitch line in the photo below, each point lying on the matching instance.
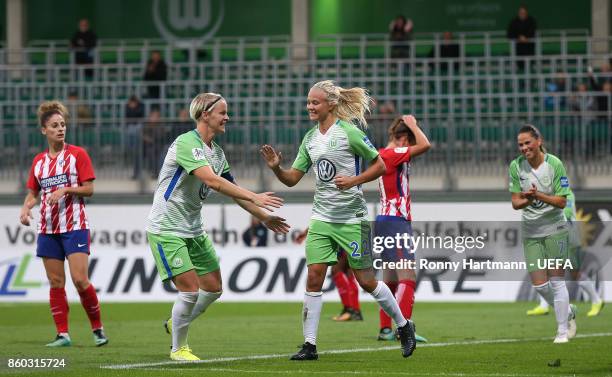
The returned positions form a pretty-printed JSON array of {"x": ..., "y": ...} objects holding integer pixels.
[
  {"x": 352, "y": 373},
  {"x": 342, "y": 351}
]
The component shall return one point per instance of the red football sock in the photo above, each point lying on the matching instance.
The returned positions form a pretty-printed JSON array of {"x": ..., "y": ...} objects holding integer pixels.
[
  {"x": 385, "y": 320},
  {"x": 342, "y": 283},
  {"x": 353, "y": 293},
  {"x": 405, "y": 297},
  {"x": 59, "y": 309},
  {"x": 89, "y": 300}
]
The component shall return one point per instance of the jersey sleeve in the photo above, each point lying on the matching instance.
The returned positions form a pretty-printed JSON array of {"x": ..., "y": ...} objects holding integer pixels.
[
  {"x": 515, "y": 184},
  {"x": 396, "y": 156},
  {"x": 33, "y": 183},
  {"x": 360, "y": 144},
  {"x": 85, "y": 171},
  {"x": 561, "y": 185},
  {"x": 302, "y": 161},
  {"x": 189, "y": 155}
]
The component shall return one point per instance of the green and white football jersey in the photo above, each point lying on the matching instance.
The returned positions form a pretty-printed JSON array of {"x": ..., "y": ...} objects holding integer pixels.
[
  {"x": 341, "y": 151},
  {"x": 570, "y": 215},
  {"x": 540, "y": 219},
  {"x": 179, "y": 195}
]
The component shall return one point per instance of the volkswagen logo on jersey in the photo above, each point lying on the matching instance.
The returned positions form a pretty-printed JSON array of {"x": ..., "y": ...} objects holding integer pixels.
[
  {"x": 326, "y": 170},
  {"x": 537, "y": 204}
]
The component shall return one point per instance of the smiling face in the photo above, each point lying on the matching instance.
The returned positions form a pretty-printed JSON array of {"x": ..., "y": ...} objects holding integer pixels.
[
  {"x": 55, "y": 129},
  {"x": 529, "y": 145},
  {"x": 318, "y": 107},
  {"x": 217, "y": 117}
]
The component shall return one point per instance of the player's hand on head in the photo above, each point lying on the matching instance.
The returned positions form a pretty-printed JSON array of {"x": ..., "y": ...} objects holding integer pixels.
[
  {"x": 277, "y": 224},
  {"x": 267, "y": 200},
  {"x": 273, "y": 159},
  {"x": 409, "y": 120},
  {"x": 343, "y": 183}
]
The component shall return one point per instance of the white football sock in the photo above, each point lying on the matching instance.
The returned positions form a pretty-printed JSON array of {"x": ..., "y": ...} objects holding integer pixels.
[
  {"x": 589, "y": 287},
  {"x": 546, "y": 294},
  {"x": 203, "y": 302},
  {"x": 543, "y": 302},
  {"x": 561, "y": 303},
  {"x": 181, "y": 317},
  {"x": 311, "y": 313},
  {"x": 382, "y": 294}
]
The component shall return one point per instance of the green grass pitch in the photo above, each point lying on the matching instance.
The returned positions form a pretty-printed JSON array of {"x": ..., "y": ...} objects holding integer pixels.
[{"x": 255, "y": 339}]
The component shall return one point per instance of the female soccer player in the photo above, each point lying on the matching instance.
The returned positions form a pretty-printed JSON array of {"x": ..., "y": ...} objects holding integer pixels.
[
  {"x": 339, "y": 219},
  {"x": 406, "y": 140},
  {"x": 539, "y": 187},
  {"x": 64, "y": 175},
  {"x": 586, "y": 284},
  {"x": 183, "y": 252}
]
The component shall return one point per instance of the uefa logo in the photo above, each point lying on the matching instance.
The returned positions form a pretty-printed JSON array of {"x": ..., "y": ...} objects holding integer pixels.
[
  {"x": 326, "y": 170},
  {"x": 188, "y": 19}
]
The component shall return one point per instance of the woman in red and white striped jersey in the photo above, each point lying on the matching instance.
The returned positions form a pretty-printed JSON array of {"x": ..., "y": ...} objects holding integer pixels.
[{"x": 63, "y": 175}]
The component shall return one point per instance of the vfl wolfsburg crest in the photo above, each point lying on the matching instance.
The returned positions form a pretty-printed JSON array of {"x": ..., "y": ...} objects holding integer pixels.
[{"x": 188, "y": 19}]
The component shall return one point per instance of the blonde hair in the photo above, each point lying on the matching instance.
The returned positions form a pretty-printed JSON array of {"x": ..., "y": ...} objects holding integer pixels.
[
  {"x": 203, "y": 103},
  {"x": 351, "y": 104},
  {"x": 49, "y": 108}
]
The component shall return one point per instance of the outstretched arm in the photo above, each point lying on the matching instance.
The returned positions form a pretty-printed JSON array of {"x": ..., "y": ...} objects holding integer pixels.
[
  {"x": 375, "y": 170},
  {"x": 275, "y": 223},
  {"x": 264, "y": 200},
  {"x": 289, "y": 177}
]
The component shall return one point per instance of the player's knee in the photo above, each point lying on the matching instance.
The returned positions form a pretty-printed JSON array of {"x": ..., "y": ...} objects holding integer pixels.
[
  {"x": 368, "y": 285},
  {"x": 80, "y": 282},
  {"x": 56, "y": 281},
  {"x": 314, "y": 282}
]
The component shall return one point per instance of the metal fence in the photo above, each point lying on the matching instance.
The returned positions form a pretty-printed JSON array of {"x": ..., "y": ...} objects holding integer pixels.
[{"x": 478, "y": 145}]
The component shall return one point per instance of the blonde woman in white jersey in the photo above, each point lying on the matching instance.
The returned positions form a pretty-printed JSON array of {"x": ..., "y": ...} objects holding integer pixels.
[
  {"x": 183, "y": 252},
  {"x": 336, "y": 148}
]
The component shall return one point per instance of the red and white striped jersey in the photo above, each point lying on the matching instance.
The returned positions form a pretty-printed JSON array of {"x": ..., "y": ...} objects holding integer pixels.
[
  {"x": 70, "y": 168},
  {"x": 394, "y": 184}
]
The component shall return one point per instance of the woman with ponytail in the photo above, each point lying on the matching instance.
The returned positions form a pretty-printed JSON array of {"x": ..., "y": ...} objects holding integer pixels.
[
  {"x": 406, "y": 141},
  {"x": 539, "y": 187},
  {"x": 336, "y": 148},
  {"x": 64, "y": 175}
]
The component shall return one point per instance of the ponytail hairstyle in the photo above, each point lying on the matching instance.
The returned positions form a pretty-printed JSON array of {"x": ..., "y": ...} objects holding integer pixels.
[
  {"x": 50, "y": 108},
  {"x": 203, "y": 103},
  {"x": 350, "y": 104},
  {"x": 398, "y": 128},
  {"x": 535, "y": 133}
]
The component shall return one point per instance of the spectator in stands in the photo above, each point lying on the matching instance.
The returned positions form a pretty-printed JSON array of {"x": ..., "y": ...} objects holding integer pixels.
[
  {"x": 82, "y": 111},
  {"x": 522, "y": 30},
  {"x": 400, "y": 33},
  {"x": 157, "y": 71},
  {"x": 554, "y": 87},
  {"x": 83, "y": 42},
  {"x": 154, "y": 141},
  {"x": 183, "y": 124},
  {"x": 604, "y": 87},
  {"x": 256, "y": 235},
  {"x": 581, "y": 101},
  {"x": 448, "y": 48},
  {"x": 134, "y": 116}
]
